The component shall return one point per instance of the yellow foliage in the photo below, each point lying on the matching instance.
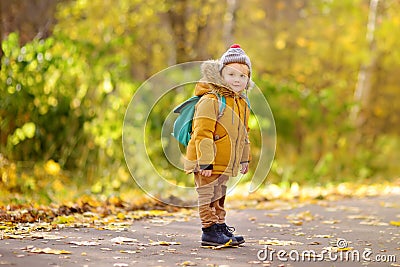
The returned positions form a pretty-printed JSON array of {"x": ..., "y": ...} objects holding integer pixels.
[
  {"x": 52, "y": 167},
  {"x": 57, "y": 185},
  {"x": 120, "y": 216},
  {"x": 64, "y": 220}
]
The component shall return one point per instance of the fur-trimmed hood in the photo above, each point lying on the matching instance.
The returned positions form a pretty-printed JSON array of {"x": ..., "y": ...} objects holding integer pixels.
[{"x": 212, "y": 80}]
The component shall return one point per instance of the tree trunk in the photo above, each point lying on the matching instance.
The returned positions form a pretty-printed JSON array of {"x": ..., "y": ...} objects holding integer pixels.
[
  {"x": 229, "y": 22},
  {"x": 31, "y": 18},
  {"x": 364, "y": 82},
  {"x": 177, "y": 19},
  {"x": 1, "y": 31}
]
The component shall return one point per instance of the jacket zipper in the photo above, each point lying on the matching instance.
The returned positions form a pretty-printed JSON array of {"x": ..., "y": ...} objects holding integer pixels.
[{"x": 237, "y": 137}]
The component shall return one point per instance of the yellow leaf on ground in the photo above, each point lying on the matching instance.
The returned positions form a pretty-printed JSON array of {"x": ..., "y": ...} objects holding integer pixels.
[
  {"x": 277, "y": 225},
  {"x": 64, "y": 219},
  {"x": 276, "y": 242},
  {"x": 331, "y": 221},
  {"x": 296, "y": 222},
  {"x": 49, "y": 251},
  {"x": 129, "y": 251},
  {"x": 345, "y": 249},
  {"x": 120, "y": 216},
  {"x": 84, "y": 243},
  {"x": 336, "y": 249},
  {"x": 164, "y": 243},
  {"x": 188, "y": 263},
  {"x": 374, "y": 223},
  {"x": 13, "y": 236},
  {"x": 395, "y": 223},
  {"x": 46, "y": 236},
  {"x": 226, "y": 245},
  {"x": 123, "y": 240},
  {"x": 323, "y": 236}
]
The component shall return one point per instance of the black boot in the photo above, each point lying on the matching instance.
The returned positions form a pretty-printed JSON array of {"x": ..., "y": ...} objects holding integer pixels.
[
  {"x": 228, "y": 231},
  {"x": 213, "y": 236}
]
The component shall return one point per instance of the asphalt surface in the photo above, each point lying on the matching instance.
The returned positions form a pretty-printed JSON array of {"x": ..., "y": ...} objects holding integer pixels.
[{"x": 351, "y": 232}]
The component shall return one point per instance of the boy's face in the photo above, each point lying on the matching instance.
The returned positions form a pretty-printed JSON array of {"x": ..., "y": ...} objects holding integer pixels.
[{"x": 236, "y": 75}]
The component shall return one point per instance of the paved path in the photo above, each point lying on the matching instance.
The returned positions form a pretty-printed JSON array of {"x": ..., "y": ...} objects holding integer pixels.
[{"x": 276, "y": 235}]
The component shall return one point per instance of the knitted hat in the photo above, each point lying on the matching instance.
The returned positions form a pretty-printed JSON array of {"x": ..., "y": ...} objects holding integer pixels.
[{"x": 235, "y": 54}]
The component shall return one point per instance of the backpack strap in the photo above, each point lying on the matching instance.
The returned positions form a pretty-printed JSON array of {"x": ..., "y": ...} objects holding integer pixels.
[{"x": 221, "y": 103}]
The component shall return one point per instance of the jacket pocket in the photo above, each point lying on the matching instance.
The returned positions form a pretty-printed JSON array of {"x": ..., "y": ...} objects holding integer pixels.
[{"x": 223, "y": 151}]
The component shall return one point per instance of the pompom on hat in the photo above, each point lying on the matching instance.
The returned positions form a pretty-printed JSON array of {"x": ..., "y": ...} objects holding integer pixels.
[{"x": 235, "y": 54}]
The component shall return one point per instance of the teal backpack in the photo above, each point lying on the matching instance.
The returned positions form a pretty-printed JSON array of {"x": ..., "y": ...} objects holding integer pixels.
[{"x": 183, "y": 124}]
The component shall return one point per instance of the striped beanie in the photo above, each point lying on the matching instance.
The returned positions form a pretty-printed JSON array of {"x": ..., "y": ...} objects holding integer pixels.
[{"x": 235, "y": 54}]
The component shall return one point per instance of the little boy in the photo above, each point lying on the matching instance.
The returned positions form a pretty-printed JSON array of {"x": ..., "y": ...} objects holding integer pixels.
[{"x": 219, "y": 144}]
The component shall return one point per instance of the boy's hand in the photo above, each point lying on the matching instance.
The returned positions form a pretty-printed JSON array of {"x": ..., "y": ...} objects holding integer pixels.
[
  {"x": 206, "y": 173},
  {"x": 245, "y": 167}
]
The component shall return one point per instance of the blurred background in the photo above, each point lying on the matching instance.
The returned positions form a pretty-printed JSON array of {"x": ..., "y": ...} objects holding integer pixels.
[{"x": 329, "y": 69}]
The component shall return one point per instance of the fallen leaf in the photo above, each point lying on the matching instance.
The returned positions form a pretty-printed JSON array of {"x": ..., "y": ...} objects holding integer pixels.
[
  {"x": 188, "y": 263},
  {"x": 277, "y": 225},
  {"x": 362, "y": 217},
  {"x": 296, "y": 222},
  {"x": 129, "y": 251},
  {"x": 368, "y": 220},
  {"x": 323, "y": 236},
  {"x": 120, "y": 264},
  {"x": 395, "y": 223},
  {"x": 85, "y": 243},
  {"x": 271, "y": 214},
  {"x": 389, "y": 205},
  {"x": 331, "y": 221},
  {"x": 336, "y": 249},
  {"x": 121, "y": 216},
  {"x": 276, "y": 242},
  {"x": 163, "y": 243},
  {"x": 46, "y": 236},
  {"x": 114, "y": 227},
  {"x": 64, "y": 220},
  {"x": 10, "y": 236},
  {"x": 301, "y": 216},
  {"x": 374, "y": 223},
  {"x": 226, "y": 245},
  {"x": 299, "y": 234},
  {"x": 49, "y": 251},
  {"x": 345, "y": 249},
  {"x": 122, "y": 240},
  {"x": 64, "y": 257}
]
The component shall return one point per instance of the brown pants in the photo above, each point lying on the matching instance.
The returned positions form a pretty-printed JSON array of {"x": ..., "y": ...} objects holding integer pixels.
[{"x": 211, "y": 198}]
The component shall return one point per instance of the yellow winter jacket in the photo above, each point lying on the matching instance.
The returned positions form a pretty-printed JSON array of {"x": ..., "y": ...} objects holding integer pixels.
[{"x": 219, "y": 141}]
